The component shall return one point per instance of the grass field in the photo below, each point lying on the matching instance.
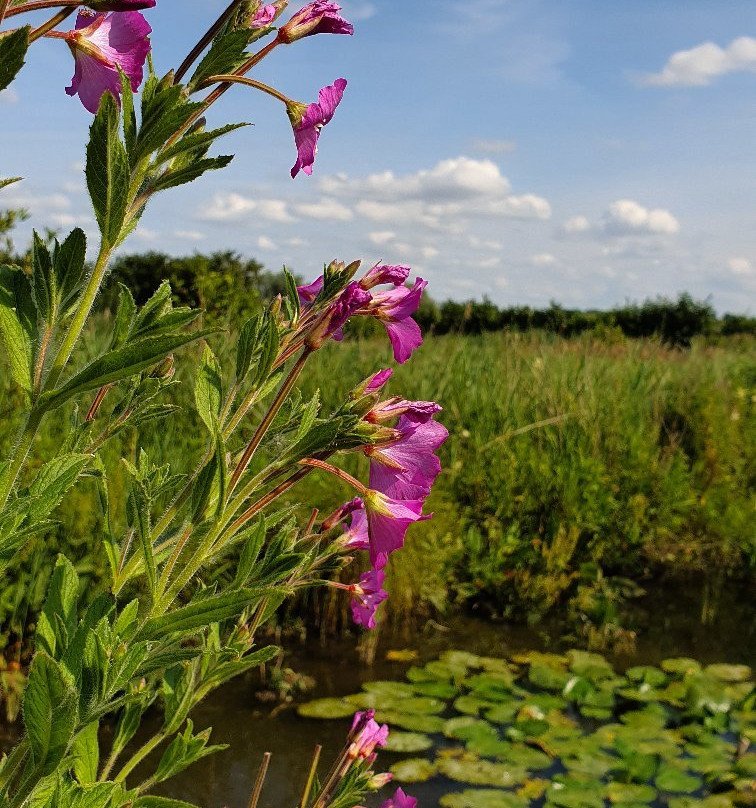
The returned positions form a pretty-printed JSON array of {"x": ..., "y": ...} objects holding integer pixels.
[{"x": 570, "y": 465}]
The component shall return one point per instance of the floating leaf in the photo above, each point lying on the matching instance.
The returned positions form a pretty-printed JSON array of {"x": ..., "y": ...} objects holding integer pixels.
[
  {"x": 326, "y": 708},
  {"x": 680, "y": 666},
  {"x": 481, "y": 772},
  {"x": 414, "y": 770},
  {"x": 729, "y": 673},
  {"x": 413, "y": 723},
  {"x": 630, "y": 792},
  {"x": 483, "y": 798},
  {"x": 671, "y": 779},
  {"x": 407, "y": 742}
]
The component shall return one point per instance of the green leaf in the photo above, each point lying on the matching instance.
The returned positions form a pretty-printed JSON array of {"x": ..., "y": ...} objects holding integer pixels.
[
  {"x": 43, "y": 281},
  {"x": 181, "y": 176},
  {"x": 141, "y": 519},
  {"x": 49, "y": 712},
  {"x": 52, "y": 482},
  {"x": 18, "y": 324},
  {"x": 13, "y": 47},
  {"x": 57, "y": 622},
  {"x": 161, "y": 802},
  {"x": 226, "y": 54},
  {"x": 201, "y": 613},
  {"x": 184, "y": 750},
  {"x": 127, "y": 113},
  {"x": 124, "y": 319},
  {"x": 9, "y": 181},
  {"x": 121, "y": 363},
  {"x": 208, "y": 390},
  {"x": 86, "y": 754},
  {"x": 163, "y": 114},
  {"x": 200, "y": 141},
  {"x": 68, "y": 265},
  {"x": 107, "y": 171}
]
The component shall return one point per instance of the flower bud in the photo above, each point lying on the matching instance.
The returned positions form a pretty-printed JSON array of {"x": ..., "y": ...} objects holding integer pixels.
[{"x": 319, "y": 17}]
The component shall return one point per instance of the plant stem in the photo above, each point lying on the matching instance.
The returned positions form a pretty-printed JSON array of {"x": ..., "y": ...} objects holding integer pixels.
[
  {"x": 80, "y": 317},
  {"x": 37, "y": 5},
  {"x": 23, "y": 444},
  {"x": 63, "y": 14},
  {"x": 311, "y": 776},
  {"x": 268, "y": 498},
  {"x": 139, "y": 756},
  {"x": 255, "y": 798},
  {"x": 206, "y": 40},
  {"x": 264, "y": 425},
  {"x": 229, "y": 78},
  {"x": 337, "y": 472}
]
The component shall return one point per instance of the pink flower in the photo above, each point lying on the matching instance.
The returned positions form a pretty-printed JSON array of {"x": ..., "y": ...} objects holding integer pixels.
[
  {"x": 377, "y": 380},
  {"x": 383, "y": 273},
  {"x": 307, "y": 121},
  {"x": 100, "y": 44},
  {"x": 319, "y": 17},
  {"x": 366, "y": 734},
  {"x": 369, "y": 594},
  {"x": 393, "y": 407},
  {"x": 394, "y": 309},
  {"x": 407, "y": 467},
  {"x": 388, "y": 520},
  {"x": 264, "y": 16},
  {"x": 119, "y": 5},
  {"x": 400, "y": 800},
  {"x": 308, "y": 293},
  {"x": 334, "y": 318},
  {"x": 356, "y": 536}
]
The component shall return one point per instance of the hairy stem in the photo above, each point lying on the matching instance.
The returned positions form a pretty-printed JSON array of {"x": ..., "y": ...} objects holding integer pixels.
[
  {"x": 63, "y": 14},
  {"x": 37, "y": 5},
  {"x": 20, "y": 452},
  {"x": 230, "y": 78},
  {"x": 139, "y": 756}
]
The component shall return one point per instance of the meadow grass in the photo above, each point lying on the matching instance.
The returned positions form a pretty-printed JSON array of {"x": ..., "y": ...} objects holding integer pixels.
[{"x": 565, "y": 459}]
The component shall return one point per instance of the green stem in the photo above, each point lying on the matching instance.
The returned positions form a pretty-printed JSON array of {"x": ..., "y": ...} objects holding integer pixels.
[
  {"x": 80, "y": 317},
  {"x": 63, "y": 14},
  {"x": 139, "y": 756},
  {"x": 264, "y": 425},
  {"x": 37, "y": 5},
  {"x": 230, "y": 78},
  {"x": 23, "y": 445}
]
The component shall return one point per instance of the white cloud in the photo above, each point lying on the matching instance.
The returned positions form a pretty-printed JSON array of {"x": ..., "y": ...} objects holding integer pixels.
[
  {"x": 740, "y": 266},
  {"x": 626, "y": 217},
  {"x": 231, "y": 207},
  {"x": 576, "y": 224},
  {"x": 326, "y": 208},
  {"x": 8, "y": 96},
  {"x": 379, "y": 237},
  {"x": 357, "y": 10},
  {"x": 494, "y": 146},
  {"x": 189, "y": 235},
  {"x": 699, "y": 66},
  {"x": 543, "y": 260},
  {"x": 145, "y": 234},
  {"x": 454, "y": 190},
  {"x": 264, "y": 243}
]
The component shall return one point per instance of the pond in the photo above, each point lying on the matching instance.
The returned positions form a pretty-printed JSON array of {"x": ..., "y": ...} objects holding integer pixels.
[{"x": 672, "y": 630}]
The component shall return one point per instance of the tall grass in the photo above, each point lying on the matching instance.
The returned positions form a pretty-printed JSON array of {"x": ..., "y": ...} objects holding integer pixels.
[{"x": 563, "y": 456}]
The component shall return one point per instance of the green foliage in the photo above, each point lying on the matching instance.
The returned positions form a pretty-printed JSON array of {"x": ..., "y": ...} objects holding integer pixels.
[{"x": 13, "y": 47}]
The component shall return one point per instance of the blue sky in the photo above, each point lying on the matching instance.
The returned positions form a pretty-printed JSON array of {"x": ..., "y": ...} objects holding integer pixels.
[{"x": 583, "y": 151}]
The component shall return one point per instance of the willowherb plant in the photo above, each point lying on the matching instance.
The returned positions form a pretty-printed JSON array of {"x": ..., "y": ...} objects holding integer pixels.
[{"x": 163, "y": 635}]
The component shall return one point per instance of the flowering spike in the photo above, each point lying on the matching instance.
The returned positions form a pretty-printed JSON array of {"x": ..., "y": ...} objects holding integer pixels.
[
  {"x": 101, "y": 44},
  {"x": 308, "y": 120},
  {"x": 319, "y": 17}
]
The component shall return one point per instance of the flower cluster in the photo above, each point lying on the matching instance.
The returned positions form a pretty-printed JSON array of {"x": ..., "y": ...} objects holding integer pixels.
[
  {"x": 403, "y": 463},
  {"x": 105, "y": 43}
]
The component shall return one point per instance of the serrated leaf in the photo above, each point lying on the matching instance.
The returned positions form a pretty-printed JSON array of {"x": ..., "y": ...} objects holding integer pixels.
[
  {"x": 127, "y": 114},
  {"x": 18, "y": 324},
  {"x": 226, "y": 54},
  {"x": 201, "y": 613},
  {"x": 121, "y": 363},
  {"x": 196, "y": 140},
  {"x": 57, "y": 622},
  {"x": 68, "y": 265},
  {"x": 208, "y": 390},
  {"x": 107, "y": 170},
  {"x": 13, "y": 47},
  {"x": 49, "y": 712},
  {"x": 43, "y": 281},
  {"x": 124, "y": 318},
  {"x": 163, "y": 114},
  {"x": 9, "y": 181},
  {"x": 86, "y": 754},
  {"x": 175, "y": 177},
  {"x": 52, "y": 482}
]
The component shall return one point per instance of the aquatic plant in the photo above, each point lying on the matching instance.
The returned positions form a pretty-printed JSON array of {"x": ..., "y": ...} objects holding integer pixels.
[{"x": 163, "y": 631}]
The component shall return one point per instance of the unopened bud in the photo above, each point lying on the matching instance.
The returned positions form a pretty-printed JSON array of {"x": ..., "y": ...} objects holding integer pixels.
[{"x": 166, "y": 369}]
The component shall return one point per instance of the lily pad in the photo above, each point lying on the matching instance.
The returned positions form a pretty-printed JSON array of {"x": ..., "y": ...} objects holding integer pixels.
[
  {"x": 630, "y": 792},
  {"x": 410, "y": 721},
  {"x": 490, "y": 746},
  {"x": 729, "y": 673},
  {"x": 671, "y": 779},
  {"x": 465, "y": 727},
  {"x": 574, "y": 796},
  {"x": 483, "y": 798},
  {"x": 414, "y": 770},
  {"x": 681, "y": 666},
  {"x": 326, "y": 708},
  {"x": 503, "y": 713},
  {"x": 481, "y": 772},
  {"x": 408, "y": 742},
  {"x": 547, "y": 677},
  {"x": 459, "y": 658},
  {"x": 646, "y": 674},
  {"x": 471, "y": 705},
  {"x": 589, "y": 665},
  {"x": 390, "y": 689},
  {"x": 439, "y": 690}
]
